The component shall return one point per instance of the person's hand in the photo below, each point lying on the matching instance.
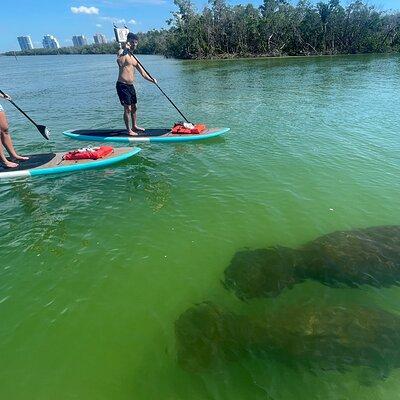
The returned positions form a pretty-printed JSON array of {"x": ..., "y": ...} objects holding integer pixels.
[
  {"x": 6, "y": 96},
  {"x": 155, "y": 81}
]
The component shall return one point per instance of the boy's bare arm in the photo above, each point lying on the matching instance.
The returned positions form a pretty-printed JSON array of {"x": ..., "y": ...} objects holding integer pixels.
[{"x": 143, "y": 73}]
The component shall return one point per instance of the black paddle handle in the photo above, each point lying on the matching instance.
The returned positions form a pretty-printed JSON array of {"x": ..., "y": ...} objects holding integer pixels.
[
  {"x": 19, "y": 109},
  {"x": 162, "y": 91}
]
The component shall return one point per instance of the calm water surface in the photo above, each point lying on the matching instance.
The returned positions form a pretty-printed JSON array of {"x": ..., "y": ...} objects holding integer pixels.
[{"x": 97, "y": 266}]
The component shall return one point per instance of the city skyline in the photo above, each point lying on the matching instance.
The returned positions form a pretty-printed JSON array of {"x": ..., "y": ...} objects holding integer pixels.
[
  {"x": 99, "y": 38},
  {"x": 51, "y": 41},
  {"x": 65, "y": 17},
  {"x": 79, "y": 40},
  {"x": 25, "y": 42}
]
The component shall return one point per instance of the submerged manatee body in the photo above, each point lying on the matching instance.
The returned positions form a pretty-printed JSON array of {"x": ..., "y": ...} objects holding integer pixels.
[
  {"x": 262, "y": 272},
  {"x": 330, "y": 338},
  {"x": 363, "y": 256},
  {"x": 204, "y": 333}
]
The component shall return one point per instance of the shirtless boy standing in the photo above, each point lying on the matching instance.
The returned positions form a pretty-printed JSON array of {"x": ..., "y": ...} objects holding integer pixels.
[{"x": 125, "y": 89}]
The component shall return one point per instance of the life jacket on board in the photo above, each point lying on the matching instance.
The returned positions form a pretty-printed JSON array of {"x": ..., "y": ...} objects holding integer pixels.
[
  {"x": 184, "y": 128},
  {"x": 92, "y": 153}
]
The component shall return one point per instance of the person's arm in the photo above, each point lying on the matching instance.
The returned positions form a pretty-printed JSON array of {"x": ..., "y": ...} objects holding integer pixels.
[
  {"x": 124, "y": 50},
  {"x": 120, "y": 59},
  {"x": 144, "y": 74},
  {"x": 120, "y": 55}
]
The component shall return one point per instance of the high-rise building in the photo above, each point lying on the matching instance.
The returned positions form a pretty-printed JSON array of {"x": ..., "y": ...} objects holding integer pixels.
[
  {"x": 99, "y": 38},
  {"x": 50, "y": 42},
  {"x": 25, "y": 42},
  {"x": 79, "y": 41}
]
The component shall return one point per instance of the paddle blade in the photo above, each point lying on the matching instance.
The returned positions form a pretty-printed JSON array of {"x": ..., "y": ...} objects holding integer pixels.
[{"x": 44, "y": 131}]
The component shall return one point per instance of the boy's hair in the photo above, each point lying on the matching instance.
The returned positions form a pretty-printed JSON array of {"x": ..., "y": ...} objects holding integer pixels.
[{"x": 131, "y": 36}]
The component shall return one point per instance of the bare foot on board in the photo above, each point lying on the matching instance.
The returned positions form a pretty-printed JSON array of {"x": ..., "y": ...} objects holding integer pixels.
[
  {"x": 132, "y": 133},
  {"x": 9, "y": 164},
  {"x": 138, "y": 129},
  {"x": 21, "y": 158}
]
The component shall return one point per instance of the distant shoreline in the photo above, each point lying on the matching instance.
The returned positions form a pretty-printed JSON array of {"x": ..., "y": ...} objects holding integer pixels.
[
  {"x": 245, "y": 31},
  {"x": 107, "y": 48},
  {"x": 223, "y": 57}
]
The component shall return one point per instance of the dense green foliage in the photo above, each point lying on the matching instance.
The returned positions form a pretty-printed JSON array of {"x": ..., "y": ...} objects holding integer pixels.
[
  {"x": 279, "y": 28},
  {"x": 275, "y": 28}
]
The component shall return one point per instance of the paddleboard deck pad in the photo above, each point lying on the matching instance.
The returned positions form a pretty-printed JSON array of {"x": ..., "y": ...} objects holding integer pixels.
[
  {"x": 53, "y": 163},
  {"x": 159, "y": 135}
]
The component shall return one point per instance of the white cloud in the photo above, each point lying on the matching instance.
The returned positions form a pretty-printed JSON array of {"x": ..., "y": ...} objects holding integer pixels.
[
  {"x": 99, "y": 25},
  {"x": 132, "y": 22},
  {"x": 85, "y": 10}
]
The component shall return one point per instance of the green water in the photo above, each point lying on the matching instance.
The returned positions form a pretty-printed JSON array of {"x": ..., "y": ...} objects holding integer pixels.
[{"x": 96, "y": 267}]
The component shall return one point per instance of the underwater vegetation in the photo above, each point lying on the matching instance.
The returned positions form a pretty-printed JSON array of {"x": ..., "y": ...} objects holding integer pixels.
[
  {"x": 328, "y": 338},
  {"x": 368, "y": 256}
]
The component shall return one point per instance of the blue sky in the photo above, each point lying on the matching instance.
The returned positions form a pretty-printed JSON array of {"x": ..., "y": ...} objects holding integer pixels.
[{"x": 65, "y": 18}]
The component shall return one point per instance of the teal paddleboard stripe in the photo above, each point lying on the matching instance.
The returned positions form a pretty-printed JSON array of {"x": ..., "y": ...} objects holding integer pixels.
[
  {"x": 146, "y": 139},
  {"x": 97, "y": 138},
  {"x": 84, "y": 166},
  {"x": 188, "y": 138}
]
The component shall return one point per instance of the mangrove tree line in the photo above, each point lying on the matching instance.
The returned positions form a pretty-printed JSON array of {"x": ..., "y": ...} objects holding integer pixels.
[{"x": 276, "y": 28}]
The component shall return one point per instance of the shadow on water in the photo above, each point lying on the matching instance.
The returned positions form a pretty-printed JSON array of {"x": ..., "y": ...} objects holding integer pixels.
[
  {"x": 368, "y": 256},
  {"x": 155, "y": 185},
  {"x": 29, "y": 199},
  {"x": 46, "y": 227},
  {"x": 316, "y": 338}
]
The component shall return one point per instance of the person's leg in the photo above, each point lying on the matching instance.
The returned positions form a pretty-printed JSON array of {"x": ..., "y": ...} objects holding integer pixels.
[
  {"x": 127, "y": 119},
  {"x": 3, "y": 159},
  {"x": 133, "y": 101},
  {"x": 134, "y": 123},
  {"x": 6, "y": 139},
  {"x": 4, "y": 135},
  {"x": 124, "y": 98}
]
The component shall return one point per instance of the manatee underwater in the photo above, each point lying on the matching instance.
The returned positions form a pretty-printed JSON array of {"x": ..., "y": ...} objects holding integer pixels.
[
  {"x": 368, "y": 256},
  {"x": 326, "y": 338}
]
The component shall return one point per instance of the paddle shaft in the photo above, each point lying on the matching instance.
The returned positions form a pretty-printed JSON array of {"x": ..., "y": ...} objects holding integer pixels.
[
  {"x": 41, "y": 128},
  {"x": 162, "y": 91},
  {"x": 21, "y": 111}
]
